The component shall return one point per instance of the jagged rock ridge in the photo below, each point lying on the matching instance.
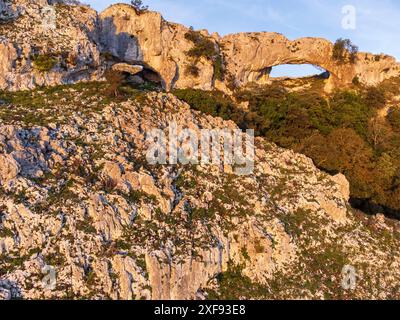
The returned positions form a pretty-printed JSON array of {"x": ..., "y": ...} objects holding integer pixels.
[{"x": 122, "y": 33}]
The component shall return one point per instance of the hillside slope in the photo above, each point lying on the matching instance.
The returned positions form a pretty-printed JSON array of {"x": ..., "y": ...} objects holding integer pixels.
[{"x": 78, "y": 195}]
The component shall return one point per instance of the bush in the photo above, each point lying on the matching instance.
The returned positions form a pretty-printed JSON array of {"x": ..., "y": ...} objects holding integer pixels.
[
  {"x": 344, "y": 51},
  {"x": 394, "y": 118},
  {"x": 114, "y": 81},
  {"x": 139, "y": 6},
  {"x": 233, "y": 285},
  {"x": 203, "y": 47},
  {"x": 214, "y": 103},
  {"x": 356, "y": 81},
  {"x": 219, "y": 68},
  {"x": 375, "y": 98},
  {"x": 192, "y": 70},
  {"x": 44, "y": 62}
]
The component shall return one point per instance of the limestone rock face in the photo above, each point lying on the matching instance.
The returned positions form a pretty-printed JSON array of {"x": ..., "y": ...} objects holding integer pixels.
[
  {"x": 59, "y": 42},
  {"x": 250, "y": 57},
  {"x": 344, "y": 184},
  {"x": 128, "y": 68},
  {"x": 373, "y": 69},
  {"x": 9, "y": 169},
  {"x": 159, "y": 44},
  {"x": 81, "y": 197},
  {"x": 48, "y": 45},
  {"x": 247, "y": 57}
]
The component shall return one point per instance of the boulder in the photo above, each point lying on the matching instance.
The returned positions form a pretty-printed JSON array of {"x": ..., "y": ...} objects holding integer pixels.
[
  {"x": 9, "y": 169},
  {"x": 128, "y": 68}
]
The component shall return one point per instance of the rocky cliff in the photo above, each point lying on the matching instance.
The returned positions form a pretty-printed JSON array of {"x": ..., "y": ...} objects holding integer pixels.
[
  {"x": 84, "y": 215},
  {"x": 172, "y": 54},
  {"x": 250, "y": 57},
  {"x": 48, "y": 45},
  {"x": 79, "y": 198}
]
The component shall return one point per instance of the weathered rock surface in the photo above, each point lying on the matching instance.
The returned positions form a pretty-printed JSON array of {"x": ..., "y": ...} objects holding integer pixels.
[
  {"x": 161, "y": 45},
  {"x": 79, "y": 35},
  {"x": 82, "y": 199},
  {"x": 250, "y": 57},
  {"x": 9, "y": 169},
  {"x": 128, "y": 68},
  {"x": 48, "y": 45}
]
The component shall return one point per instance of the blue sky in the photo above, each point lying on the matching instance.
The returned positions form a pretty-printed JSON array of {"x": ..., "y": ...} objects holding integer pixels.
[{"x": 377, "y": 21}]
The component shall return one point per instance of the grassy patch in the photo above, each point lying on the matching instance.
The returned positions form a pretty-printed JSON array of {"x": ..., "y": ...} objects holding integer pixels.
[
  {"x": 233, "y": 285},
  {"x": 44, "y": 62}
]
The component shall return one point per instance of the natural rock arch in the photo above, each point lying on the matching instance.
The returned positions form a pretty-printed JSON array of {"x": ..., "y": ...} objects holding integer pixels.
[
  {"x": 297, "y": 71},
  {"x": 248, "y": 57},
  {"x": 161, "y": 47},
  {"x": 251, "y": 56}
]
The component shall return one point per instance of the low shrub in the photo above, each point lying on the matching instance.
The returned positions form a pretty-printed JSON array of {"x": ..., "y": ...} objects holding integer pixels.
[
  {"x": 44, "y": 62},
  {"x": 204, "y": 47},
  {"x": 192, "y": 70},
  {"x": 344, "y": 51}
]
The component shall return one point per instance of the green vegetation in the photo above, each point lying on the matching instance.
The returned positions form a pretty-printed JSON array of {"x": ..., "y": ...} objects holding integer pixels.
[
  {"x": 86, "y": 225},
  {"x": 5, "y": 232},
  {"x": 115, "y": 80},
  {"x": 344, "y": 51},
  {"x": 297, "y": 222},
  {"x": 136, "y": 196},
  {"x": 341, "y": 132},
  {"x": 55, "y": 259},
  {"x": 219, "y": 68},
  {"x": 394, "y": 118},
  {"x": 139, "y": 6},
  {"x": 183, "y": 182},
  {"x": 37, "y": 107},
  {"x": 204, "y": 47},
  {"x": 233, "y": 285},
  {"x": 44, "y": 62},
  {"x": 214, "y": 103},
  {"x": 192, "y": 70}
]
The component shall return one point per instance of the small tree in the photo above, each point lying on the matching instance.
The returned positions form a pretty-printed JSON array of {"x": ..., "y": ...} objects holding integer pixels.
[
  {"x": 345, "y": 51},
  {"x": 378, "y": 131},
  {"x": 114, "y": 81},
  {"x": 139, "y": 6}
]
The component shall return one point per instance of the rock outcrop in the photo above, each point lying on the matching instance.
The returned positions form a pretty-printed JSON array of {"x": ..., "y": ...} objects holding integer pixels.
[
  {"x": 247, "y": 57},
  {"x": 69, "y": 51},
  {"x": 79, "y": 198},
  {"x": 48, "y": 45},
  {"x": 159, "y": 44},
  {"x": 251, "y": 56},
  {"x": 9, "y": 169},
  {"x": 128, "y": 68},
  {"x": 7, "y": 12}
]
